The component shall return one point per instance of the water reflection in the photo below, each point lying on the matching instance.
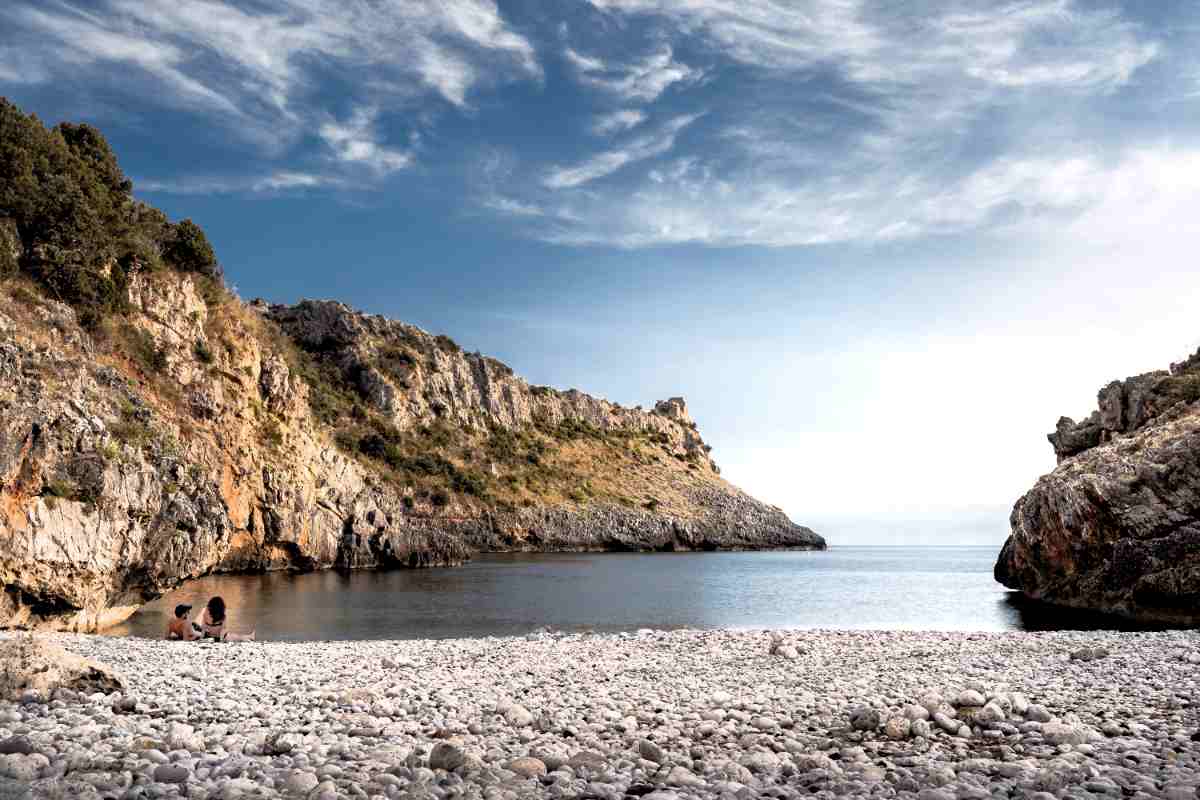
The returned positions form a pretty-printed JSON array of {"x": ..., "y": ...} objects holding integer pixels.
[{"x": 948, "y": 588}]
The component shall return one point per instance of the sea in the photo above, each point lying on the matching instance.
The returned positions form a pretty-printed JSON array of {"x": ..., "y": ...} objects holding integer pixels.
[{"x": 913, "y": 588}]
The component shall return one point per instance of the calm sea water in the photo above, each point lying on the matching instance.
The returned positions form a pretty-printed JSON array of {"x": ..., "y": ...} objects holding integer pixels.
[{"x": 926, "y": 588}]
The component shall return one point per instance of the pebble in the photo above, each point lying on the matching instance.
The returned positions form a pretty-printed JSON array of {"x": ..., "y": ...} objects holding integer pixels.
[{"x": 708, "y": 715}]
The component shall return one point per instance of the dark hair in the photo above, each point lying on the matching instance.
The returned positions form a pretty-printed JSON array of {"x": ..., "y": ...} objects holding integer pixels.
[
  {"x": 181, "y": 610},
  {"x": 216, "y": 610}
]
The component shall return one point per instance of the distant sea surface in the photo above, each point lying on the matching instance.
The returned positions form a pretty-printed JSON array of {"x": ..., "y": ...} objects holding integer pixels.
[{"x": 916, "y": 588}]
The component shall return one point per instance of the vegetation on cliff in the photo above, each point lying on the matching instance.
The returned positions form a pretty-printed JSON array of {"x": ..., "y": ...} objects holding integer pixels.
[{"x": 153, "y": 427}]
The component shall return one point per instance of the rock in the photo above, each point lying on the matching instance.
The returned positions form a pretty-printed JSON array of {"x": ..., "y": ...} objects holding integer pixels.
[
  {"x": 945, "y": 723},
  {"x": 226, "y": 447},
  {"x": 1061, "y": 733},
  {"x": 33, "y": 665},
  {"x": 171, "y": 773},
  {"x": 1116, "y": 526},
  {"x": 970, "y": 699},
  {"x": 587, "y": 759},
  {"x": 898, "y": 728},
  {"x": 447, "y": 756},
  {"x": 528, "y": 767},
  {"x": 515, "y": 714},
  {"x": 1037, "y": 713},
  {"x": 1089, "y": 654},
  {"x": 921, "y": 728},
  {"x": 864, "y": 718},
  {"x": 16, "y": 744},
  {"x": 300, "y": 783},
  {"x": 650, "y": 751},
  {"x": 681, "y": 776}
]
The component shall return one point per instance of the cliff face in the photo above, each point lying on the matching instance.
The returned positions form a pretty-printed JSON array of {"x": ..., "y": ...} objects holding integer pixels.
[
  {"x": 196, "y": 434},
  {"x": 1116, "y": 526}
]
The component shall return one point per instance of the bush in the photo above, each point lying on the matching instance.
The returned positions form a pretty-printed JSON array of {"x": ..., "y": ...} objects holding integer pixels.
[
  {"x": 188, "y": 249},
  {"x": 440, "y": 498},
  {"x": 203, "y": 354},
  {"x": 81, "y": 231}
]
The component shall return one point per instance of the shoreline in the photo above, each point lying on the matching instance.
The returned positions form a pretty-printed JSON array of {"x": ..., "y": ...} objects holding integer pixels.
[{"x": 684, "y": 713}]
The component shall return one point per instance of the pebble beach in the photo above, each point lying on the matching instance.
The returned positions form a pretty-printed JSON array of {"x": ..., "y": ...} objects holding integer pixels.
[{"x": 652, "y": 714}]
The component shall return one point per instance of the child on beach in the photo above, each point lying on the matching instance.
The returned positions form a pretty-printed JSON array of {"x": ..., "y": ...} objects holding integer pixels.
[{"x": 181, "y": 627}]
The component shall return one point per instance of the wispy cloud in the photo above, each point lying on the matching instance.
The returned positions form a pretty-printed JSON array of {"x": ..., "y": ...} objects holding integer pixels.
[
  {"x": 282, "y": 181},
  {"x": 608, "y": 162},
  {"x": 617, "y": 121},
  {"x": 255, "y": 68},
  {"x": 978, "y": 125},
  {"x": 641, "y": 80},
  {"x": 356, "y": 141}
]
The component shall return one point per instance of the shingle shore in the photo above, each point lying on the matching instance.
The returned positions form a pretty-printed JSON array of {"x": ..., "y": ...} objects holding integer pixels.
[{"x": 655, "y": 714}]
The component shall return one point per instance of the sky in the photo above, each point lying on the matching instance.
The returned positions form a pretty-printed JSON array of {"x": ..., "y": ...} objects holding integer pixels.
[{"x": 879, "y": 247}]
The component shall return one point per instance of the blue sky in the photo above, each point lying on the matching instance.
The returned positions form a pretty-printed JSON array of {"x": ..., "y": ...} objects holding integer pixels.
[{"x": 880, "y": 247}]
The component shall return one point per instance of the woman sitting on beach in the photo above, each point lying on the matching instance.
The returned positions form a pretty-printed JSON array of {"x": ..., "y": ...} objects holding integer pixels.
[{"x": 213, "y": 621}]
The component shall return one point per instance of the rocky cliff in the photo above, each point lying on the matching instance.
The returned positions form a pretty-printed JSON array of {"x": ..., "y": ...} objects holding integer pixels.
[
  {"x": 154, "y": 428},
  {"x": 1116, "y": 526}
]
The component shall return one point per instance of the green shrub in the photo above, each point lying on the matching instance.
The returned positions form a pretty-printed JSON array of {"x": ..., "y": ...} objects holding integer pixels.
[
  {"x": 440, "y": 498},
  {"x": 203, "y": 354},
  {"x": 81, "y": 231},
  {"x": 188, "y": 249}
]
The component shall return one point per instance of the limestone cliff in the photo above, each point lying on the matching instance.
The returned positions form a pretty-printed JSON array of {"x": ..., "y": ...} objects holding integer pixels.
[
  {"x": 155, "y": 428},
  {"x": 196, "y": 433},
  {"x": 1116, "y": 526}
]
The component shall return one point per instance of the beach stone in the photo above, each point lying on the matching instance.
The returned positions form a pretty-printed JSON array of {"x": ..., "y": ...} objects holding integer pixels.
[
  {"x": 898, "y": 728},
  {"x": 864, "y": 718},
  {"x": 650, "y": 751},
  {"x": 1038, "y": 713},
  {"x": 16, "y": 744},
  {"x": 588, "y": 759},
  {"x": 300, "y": 783},
  {"x": 969, "y": 698},
  {"x": 1060, "y": 733},
  {"x": 171, "y": 773},
  {"x": 447, "y": 756},
  {"x": 527, "y": 767},
  {"x": 515, "y": 714},
  {"x": 922, "y": 728}
]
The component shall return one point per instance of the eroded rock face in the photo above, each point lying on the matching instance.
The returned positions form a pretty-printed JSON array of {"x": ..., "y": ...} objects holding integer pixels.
[
  {"x": 121, "y": 478},
  {"x": 1116, "y": 526}
]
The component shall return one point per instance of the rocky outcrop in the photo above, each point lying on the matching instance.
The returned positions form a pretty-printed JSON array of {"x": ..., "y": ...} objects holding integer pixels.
[
  {"x": 35, "y": 669},
  {"x": 186, "y": 437},
  {"x": 1116, "y": 526}
]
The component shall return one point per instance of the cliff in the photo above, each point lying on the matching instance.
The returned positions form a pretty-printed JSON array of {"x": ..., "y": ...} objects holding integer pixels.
[
  {"x": 1116, "y": 526},
  {"x": 155, "y": 428}
]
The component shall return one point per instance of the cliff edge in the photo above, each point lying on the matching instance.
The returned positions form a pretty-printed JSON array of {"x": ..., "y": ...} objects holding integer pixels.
[
  {"x": 154, "y": 428},
  {"x": 1116, "y": 526}
]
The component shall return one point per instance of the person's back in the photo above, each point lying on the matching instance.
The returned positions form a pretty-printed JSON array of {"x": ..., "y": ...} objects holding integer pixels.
[
  {"x": 180, "y": 627},
  {"x": 213, "y": 620}
]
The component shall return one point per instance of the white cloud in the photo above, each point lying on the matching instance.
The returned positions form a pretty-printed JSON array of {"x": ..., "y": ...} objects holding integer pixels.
[
  {"x": 258, "y": 67},
  {"x": 642, "y": 80},
  {"x": 281, "y": 181},
  {"x": 356, "y": 141},
  {"x": 516, "y": 208},
  {"x": 608, "y": 162},
  {"x": 894, "y": 147},
  {"x": 617, "y": 121}
]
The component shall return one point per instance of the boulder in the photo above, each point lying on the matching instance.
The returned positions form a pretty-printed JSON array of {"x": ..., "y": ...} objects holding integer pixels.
[
  {"x": 1116, "y": 526},
  {"x": 33, "y": 666}
]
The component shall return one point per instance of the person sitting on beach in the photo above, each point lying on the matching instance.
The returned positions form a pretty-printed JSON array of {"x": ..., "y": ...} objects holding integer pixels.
[
  {"x": 213, "y": 621},
  {"x": 180, "y": 627}
]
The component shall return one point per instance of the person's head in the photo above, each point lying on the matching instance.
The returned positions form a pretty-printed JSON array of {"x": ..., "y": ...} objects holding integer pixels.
[
  {"x": 216, "y": 609},
  {"x": 181, "y": 611}
]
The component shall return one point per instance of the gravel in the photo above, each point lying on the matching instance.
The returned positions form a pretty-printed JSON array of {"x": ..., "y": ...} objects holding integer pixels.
[{"x": 656, "y": 714}]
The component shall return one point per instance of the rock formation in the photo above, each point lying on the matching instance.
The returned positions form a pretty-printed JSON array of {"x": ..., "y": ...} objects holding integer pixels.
[
  {"x": 154, "y": 428},
  {"x": 1116, "y": 526},
  {"x": 192, "y": 436}
]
